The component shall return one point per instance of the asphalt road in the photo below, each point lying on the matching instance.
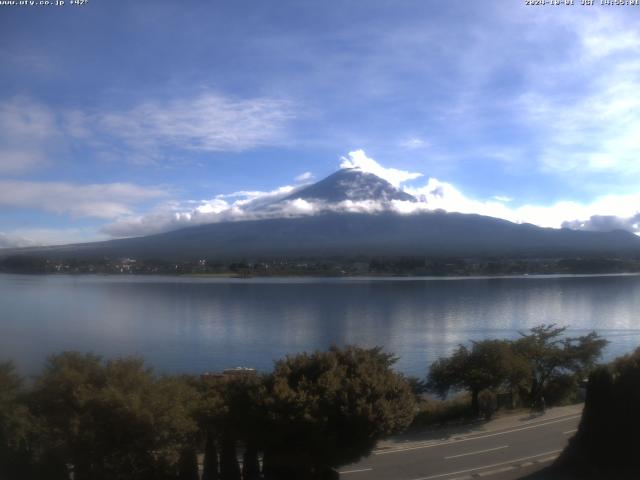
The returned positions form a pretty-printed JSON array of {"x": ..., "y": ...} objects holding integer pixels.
[{"x": 501, "y": 454}]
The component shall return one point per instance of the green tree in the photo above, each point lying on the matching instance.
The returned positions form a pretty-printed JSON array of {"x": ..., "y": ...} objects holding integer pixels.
[
  {"x": 418, "y": 386},
  {"x": 329, "y": 408},
  {"x": 549, "y": 354},
  {"x": 60, "y": 400},
  {"x": 113, "y": 420},
  {"x": 488, "y": 403},
  {"x": 487, "y": 365},
  {"x": 16, "y": 426}
]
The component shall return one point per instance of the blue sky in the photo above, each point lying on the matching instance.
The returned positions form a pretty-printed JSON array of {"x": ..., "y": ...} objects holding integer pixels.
[{"x": 126, "y": 118}]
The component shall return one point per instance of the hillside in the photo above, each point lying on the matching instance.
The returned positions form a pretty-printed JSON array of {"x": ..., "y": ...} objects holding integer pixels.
[{"x": 353, "y": 235}]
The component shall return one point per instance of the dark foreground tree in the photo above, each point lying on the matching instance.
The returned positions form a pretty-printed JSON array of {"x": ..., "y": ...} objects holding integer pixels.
[
  {"x": 229, "y": 466},
  {"x": 328, "y": 409},
  {"x": 250, "y": 462},
  {"x": 210, "y": 462},
  {"x": 210, "y": 413},
  {"x": 188, "y": 464},
  {"x": 231, "y": 415},
  {"x": 243, "y": 424},
  {"x": 606, "y": 444}
]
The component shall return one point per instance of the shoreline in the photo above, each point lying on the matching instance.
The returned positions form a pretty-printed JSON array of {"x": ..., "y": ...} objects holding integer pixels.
[{"x": 401, "y": 278}]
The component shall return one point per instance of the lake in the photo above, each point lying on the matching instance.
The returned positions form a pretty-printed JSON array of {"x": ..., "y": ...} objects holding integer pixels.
[{"x": 190, "y": 324}]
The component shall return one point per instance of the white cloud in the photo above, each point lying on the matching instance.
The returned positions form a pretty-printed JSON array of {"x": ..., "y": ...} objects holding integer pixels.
[
  {"x": 164, "y": 218},
  {"x": 27, "y": 131},
  {"x": 603, "y": 34},
  {"x": 358, "y": 160},
  {"x": 414, "y": 143},
  {"x": 20, "y": 161},
  {"x": 605, "y": 223},
  {"x": 252, "y": 200},
  {"x": 208, "y": 122},
  {"x": 32, "y": 237},
  {"x": 242, "y": 205},
  {"x": 304, "y": 177},
  {"x": 570, "y": 112},
  {"x": 298, "y": 206},
  {"x": 12, "y": 239},
  {"x": 106, "y": 201},
  {"x": 615, "y": 211},
  {"x": 594, "y": 128},
  {"x": 23, "y": 117},
  {"x": 438, "y": 195},
  {"x": 217, "y": 205},
  {"x": 32, "y": 135},
  {"x": 599, "y": 133}
]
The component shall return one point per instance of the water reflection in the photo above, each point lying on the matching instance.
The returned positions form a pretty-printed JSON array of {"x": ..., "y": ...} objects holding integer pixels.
[{"x": 192, "y": 325}]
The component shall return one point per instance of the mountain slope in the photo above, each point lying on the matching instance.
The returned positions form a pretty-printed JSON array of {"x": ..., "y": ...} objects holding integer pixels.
[
  {"x": 351, "y": 184},
  {"x": 351, "y": 235},
  {"x": 336, "y": 233}
]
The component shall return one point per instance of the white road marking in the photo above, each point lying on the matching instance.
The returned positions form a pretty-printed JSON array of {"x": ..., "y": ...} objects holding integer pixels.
[
  {"x": 476, "y": 453},
  {"x": 570, "y": 431},
  {"x": 487, "y": 466},
  {"x": 344, "y": 472},
  {"x": 490, "y": 473},
  {"x": 449, "y": 442}
]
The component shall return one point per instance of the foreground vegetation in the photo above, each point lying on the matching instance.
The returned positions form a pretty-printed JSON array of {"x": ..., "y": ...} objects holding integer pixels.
[
  {"x": 607, "y": 442},
  {"x": 543, "y": 367},
  {"x": 314, "y": 412},
  {"x": 116, "y": 420}
]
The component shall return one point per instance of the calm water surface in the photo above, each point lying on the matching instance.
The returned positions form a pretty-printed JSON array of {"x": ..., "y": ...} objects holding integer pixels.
[{"x": 199, "y": 324}]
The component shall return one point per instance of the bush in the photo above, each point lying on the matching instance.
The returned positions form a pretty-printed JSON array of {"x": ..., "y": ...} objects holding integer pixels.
[
  {"x": 562, "y": 390},
  {"x": 488, "y": 402},
  {"x": 433, "y": 412},
  {"x": 328, "y": 409}
]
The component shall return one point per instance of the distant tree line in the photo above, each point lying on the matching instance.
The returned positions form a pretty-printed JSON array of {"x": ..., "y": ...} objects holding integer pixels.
[
  {"x": 99, "y": 420},
  {"x": 338, "y": 266}
]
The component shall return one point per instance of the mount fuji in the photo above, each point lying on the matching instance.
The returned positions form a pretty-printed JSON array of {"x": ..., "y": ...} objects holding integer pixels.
[
  {"x": 333, "y": 225},
  {"x": 353, "y": 185}
]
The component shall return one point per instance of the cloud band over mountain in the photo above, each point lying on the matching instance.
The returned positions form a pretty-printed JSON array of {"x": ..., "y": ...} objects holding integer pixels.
[{"x": 433, "y": 195}]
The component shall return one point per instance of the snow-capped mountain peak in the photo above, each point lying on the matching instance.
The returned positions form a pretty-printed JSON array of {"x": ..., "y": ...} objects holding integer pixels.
[{"x": 351, "y": 184}]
